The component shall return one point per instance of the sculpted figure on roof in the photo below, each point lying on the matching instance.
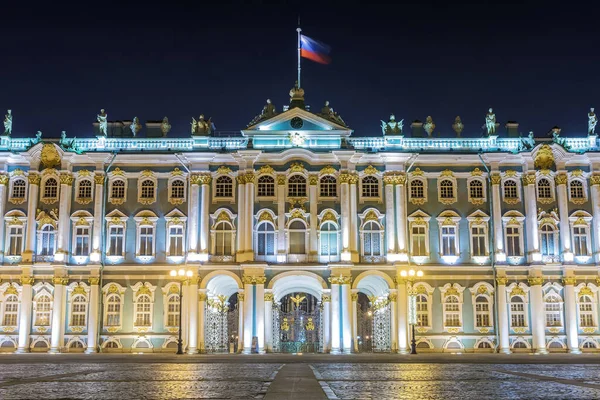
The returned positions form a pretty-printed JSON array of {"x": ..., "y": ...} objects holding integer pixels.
[
  {"x": 103, "y": 122},
  {"x": 490, "y": 122},
  {"x": 592, "y": 121},
  {"x": 392, "y": 126}
]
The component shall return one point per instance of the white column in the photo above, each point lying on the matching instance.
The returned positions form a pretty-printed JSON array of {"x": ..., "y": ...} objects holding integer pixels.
[
  {"x": 25, "y": 314},
  {"x": 393, "y": 321},
  {"x": 3, "y": 188},
  {"x": 346, "y": 306},
  {"x": 281, "y": 247},
  {"x": 248, "y": 314},
  {"x": 498, "y": 246},
  {"x": 533, "y": 241},
  {"x": 249, "y": 236},
  {"x": 201, "y": 320},
  {"x": 259, "y": 308},
  {"x": 96, "y": 253},
  {"x": 94, "y": 317},
  {"x": 241, "y": 317},
  {"x": 193, "y": 217},
  {"x": 401, "y": 217},
  {"x": 193, "y": 316},
  {"x": 571, "y": 315},
  {"x": 345, "y": 211},
  {"x": 563, "y": 214},
  {"x": 268, "y": 322},
  {"x": 390, "y": 223},
  {"x": 354, "y": 297},
  {"x": 353, "y": 220},
  {"x": 538, "y": 323},
  {"x": 313, "y": 252},
  {"x": 241, "y": 218},
  {"x": 326, "y": 300},
  {"x": 336, "y": 343},
  {"x": 595, "y": 183},
  {"x": 503, "y": 332},
  {"x": 402, "y": 316},
  {"x": 56, "y": 336},
  {"x": 32, "y": 202},
  {"x": 204, "y": 217},
  {"x": 64, "y": 220}
]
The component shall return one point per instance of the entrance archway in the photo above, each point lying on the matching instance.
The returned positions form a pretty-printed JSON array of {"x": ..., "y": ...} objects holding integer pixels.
[
  {"x": 373, "y": 312},
  {"x": 221, "y": 313}
]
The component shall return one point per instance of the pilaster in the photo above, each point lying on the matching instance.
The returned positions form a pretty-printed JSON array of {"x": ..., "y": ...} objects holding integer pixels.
[
  {"x": 94, "y": 315},
  {"x": 313, "y": 253},
  {"x": 3, "y": 194},
  {"x": 498, "y": 247},
  {"x": 57, "y": 334},
  {"x": 538, "y": 323},
  {"x": 193, "y": 316},
  {"x": 32, "y": 203},
  {"x": 326, "y": 303},
  {"x": 571, "y": 314},
  {"x": 241, "y": 218},
  {"x": 64, "y": 213},
  {"x": 193, "y": 216},
  {"x": 96, "y": 254},
  {"x": 531, "y": 228},
  {"x": 595, "y": 196},
  {"x": 268, "y": 322},
  {"x": 202, "y": 318},
  {"x": 503, "y": 327},
  {"x": 354, "y": 254},
  {"x": 345, "y": 212},
  {"x": 390, "y": 223},
  {"x": 354, "y": 298},
  {"x": 402, "y": 313},
  {"x": 25, "y": 312},
  {"x": 281, "y": 245},
  {"x": 401, "y": 217},
  {"x": 204, "y": 181},
  {"x": 563, "y": 213},
  {"x": 249, "y": 215}
]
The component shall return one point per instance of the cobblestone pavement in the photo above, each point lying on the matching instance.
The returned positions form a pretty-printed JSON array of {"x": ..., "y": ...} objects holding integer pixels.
[{"x": 242, "y": 378}]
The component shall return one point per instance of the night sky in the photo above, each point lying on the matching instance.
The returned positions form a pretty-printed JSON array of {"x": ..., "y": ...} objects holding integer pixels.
[{"x": 535, "y": 64}]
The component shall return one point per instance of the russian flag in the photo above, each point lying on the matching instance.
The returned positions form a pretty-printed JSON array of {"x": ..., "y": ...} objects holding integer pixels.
[{"x": 314, "y": 50}]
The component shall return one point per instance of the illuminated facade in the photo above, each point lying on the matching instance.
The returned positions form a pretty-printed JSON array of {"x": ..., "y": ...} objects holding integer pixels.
[{"x": 297, "y": 234}]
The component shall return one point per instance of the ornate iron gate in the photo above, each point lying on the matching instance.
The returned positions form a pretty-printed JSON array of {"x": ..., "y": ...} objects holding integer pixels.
[
  {"x": 297, "y": 325},
  {"x": 364, "y": 327},
  {"x": 373, "y": 324},
  {"x": 221, "y": 325}
]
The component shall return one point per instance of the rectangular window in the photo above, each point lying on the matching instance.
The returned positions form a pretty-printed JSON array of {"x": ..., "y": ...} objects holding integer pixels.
[
  {"x": 113, "y": 312},
  {"x": 143, "y": 314},
  {"x": 11, "y": 311},
  {"x": 580, "y": 247},
  {"x": 116, "y": 239},
  {"x": 417, "y": 189},
  {"x": 478, "y": 241},
  {"x": 517, "y": 315},
  {"x": 448, "y": 241},
  {"x": 418, "y": 237},
  {"x": 82, "y": 241},
  {"x": 513, "y": 242},
  {"x": 42, "y": 313},
  {"x": 176, "y": 241},
  {"x": 482, "y": 313},
  {"x": 146, "y": 239},
  {"x": 173, "y": 312},
  {"x": 586, "y": 314},
  {"x": 553, "y": 314},
  {"x": 15, "y": 240},
  {"x": 78, "y": 316}
]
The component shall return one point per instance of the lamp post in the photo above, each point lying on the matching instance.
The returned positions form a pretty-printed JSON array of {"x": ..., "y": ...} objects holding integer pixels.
[
  {"x": 412, "y": 303},
  {"x": 182, "y": 274}
]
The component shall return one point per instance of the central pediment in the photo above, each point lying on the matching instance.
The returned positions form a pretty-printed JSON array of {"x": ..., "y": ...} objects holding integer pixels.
[{"x": 295, "y": 119}]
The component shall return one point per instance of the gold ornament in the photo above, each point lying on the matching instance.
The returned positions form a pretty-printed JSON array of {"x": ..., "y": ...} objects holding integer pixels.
[
  {"x": 341, "y": 280},
  {"x": 561, "y": 179},
  {"x": 393, "y": 297},
  {"x": 240, "y": 296},
  {"x": 143, "y": 290},
  {"x": 34, "y": 178},
  {"x": 266, "y": 169},
  {"x": 535, "y": 281},
  {"x": 269, "y": 296},
  {"x": 285, "y": 326},
  {"x": 310, "y": 326},
  {"x": 223, "y": 170},
  {"x": 60, "y": 280},
  {"x": 476, "y": 172},
  {"x": 370, "y": 170},
  {"x": 297, "y": 167},
  {"x": 595, "y": 179},
  {"x": 281, "y": 180},
  {"x": 266, "y": 216},
  {"x": 502, "y": 281},
  {"x": 517, "y": 291},
  {"x": 569, "y": 280},
  {"x": 529, "y": 179},
  {"x": 250, "y": 177},
  {"x": 325, "y": 298},
  {"x": 93, "y": 280},
  {"x": 496, "y": 179},
  {"x": 297, "y": 299},
  {"x": 544, "y": 158},
  {"x": 354, "y": 296},
  {"x": 328, "y": 170},
  {"x": 446, "y": 173},
  {"x": 50, "y": 157},
  {"x": 313, "y": 180},
  {"x": 3, "y": 179},
  {"x": 176, "y": 172},
  {"x": 66, "y": 178}
]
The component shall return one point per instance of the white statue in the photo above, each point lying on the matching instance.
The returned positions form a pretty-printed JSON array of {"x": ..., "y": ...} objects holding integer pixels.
[
  {"x": 490, "y": 122},
  {"x": 135, "y": 126},
  {"x": 429, "y": 125},
  {"x": 165, "y": 127},
  {"x": 8, "y": 123},
  {"x": 592, "y": 121},
  {"x": 103, "y": 121}
]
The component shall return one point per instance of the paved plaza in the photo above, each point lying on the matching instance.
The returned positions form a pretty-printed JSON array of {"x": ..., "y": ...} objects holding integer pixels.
[{"x": 429, "y": 376}]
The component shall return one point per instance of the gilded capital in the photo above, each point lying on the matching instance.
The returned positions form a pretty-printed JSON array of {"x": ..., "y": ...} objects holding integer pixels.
[
  {"x": 313, "y": 179},
  {"x": 529, "y": 179},
  {"x": 561, "y": 179},
  {"x": 569, "y": 280},
  {"x": 34, "y": 178},
  {"x": 496, "y": 179},
  {"x": 200, "y": 179},
  {"x": 401, "y": 178},
  {"x": 66, "y": 178},
  {"x": 202, "y": 296},
  {"x": 353, "y": 179},
  {"x": 595, "y": 179},
  {"x": 502, "y": 281},
  {"x": 3, "y": 179},
  {"x": 326, "y": 298},
  {"x": 27, "y": 280},
  {"x": 269, "y": 296},
  {"x": 533, "y": 281},
  {"x": 59, "y": 280},
  {"x": 94, "y": 280},
  {"x": 281, "y": 180},
  {"x": 393, "y": 297},
  {"x": 254, "y": 279},
  {"x": 389, "y": 178},
  {"x": 99, "y": 179},
  {"x": 241, "y": 179},
  {"x": 354, "y": 296},
  {"x": 250, "y": 177},
  {"x": 341, "y": 280},
  {"x": 240, "y": 296}
]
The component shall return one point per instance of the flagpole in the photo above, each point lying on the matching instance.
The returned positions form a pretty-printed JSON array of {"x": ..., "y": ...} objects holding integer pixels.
[{"x": 299, "y": 68}]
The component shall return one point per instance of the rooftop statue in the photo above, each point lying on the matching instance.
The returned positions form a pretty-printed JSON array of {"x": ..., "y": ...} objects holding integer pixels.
[
  {"x": 458, "y": 126},
  {"x": 429, "y": 125},
  {"x": 392, "y": 126},
  {"x": 327, "y": 112},
  {"x": 527, "y": 143},
  {"x": 8, "y": 123},
  {"x": 38, "y": 136},
  {"x": 559, "y": 140},
  {"x": 592, "y": 121},
  {"x": 268, "y": 110},
  {"x": 201, "y": 127},
  {"x": 67, "y": 145},
  {"x": 103, "y": 121},
  {"x": 490, "y": 122},
  {"x": 135, "y": 126},
  {"x": 165, "y": 127}
]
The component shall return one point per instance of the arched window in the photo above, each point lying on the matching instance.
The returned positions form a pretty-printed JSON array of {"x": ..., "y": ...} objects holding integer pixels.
[
  {"x": 147, "y": 190},
  {"x": 47, "y": 243},
  {"x": 11, "y": 310},
  {"x": 517, "y": 312},
  {"x": 265, "y": 239},
  {"x": 18, "y": 189},
  {"x": 329, "y": 240},
  {"x": 118, "y": 189},
  {"x": 51, "y": 189},
  {"x": 484, "y": 345},
  {"x": 328, "y": 186},
  {"x": 43, "y": 305},
  {"x": 224, "y": 187},
  {"x": 576, "y": 190},
  {"x": 297, "y": 235},
  {"x": 422, "y": 310},
  {"x": 510, "y": 190},
  {"x": 266, "y": 186},
  {"x": 224, "y": 239},
  {"x": 476, "y": 189},
  {"x": 173, "y": 310},
  {"x": 372, "y": 238},
  {"x": 446, "y": 189},
  {"x": 586, "y": 312},
  {"x": 544, "y": 189},
  {"x": 85, "y": 189},
  {"x": 113, "y": 310},
  {"x": 297, "y": 186},
  {"x": 370, "y": 186},
  {"x": 417, "y": 189},
  {"x": 78, "y": 310},
  {"x": 482, "y": 312},
  {"x": 178, "y": 189},
  {"x": 548, "y": 240},
  {"x": 553, "y": 311},
  {"x": 452, "y": 311},
  {"x": 143, "y": 311}
]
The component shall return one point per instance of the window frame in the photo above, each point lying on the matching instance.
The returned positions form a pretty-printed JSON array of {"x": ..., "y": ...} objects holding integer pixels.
[
  {"x": 273, "y": 183},
  {"x": 452, "y": 292},
  {"x": 551, "y": 189},
  {"x": 46, "y": 229},
  {"x": 109, "y": 290},
  {"x": 584, "y": 190},
  {"x": 170, "y": 291},
  {"x": 372, "y": 215},
  {"x": 552, "y": 293},
  {"x": 296, "y": 195},
  {"x": 14, "y": 219},
  {"x": 74, "y": 290},
  {"x": 11, "y": 195},
  {"x": 424, "y": 289},
  {"x": 591, "y": 291},
  {"x": 482, "y": 182},
  {"x": 84, "y": 176},
  {"x": 520, "y": 291},
  {"x": 423, "y": 181},
  {"x": 257, "y": 232},
  {"x": 376, "y": 184},
  {"x": 581, "y": 219},
  {"x": 333, "y": 184},
  {"x": 449, "y": 219},
  {"x": 42, "y": 290},
  {"x": 337, "y": 232},
  {"x": 419, "y": 219},
  {"x": 171, "y": 187},
  {"x": 112, "y": 181},
  {"x": 514, "y": 177},
  {"x": 216, "y": 183},
  {"x": 143, "y": 289},
  {"x": 514, "y": 219},
  {"x": 44, "y": 186},
  {"x": 147, "y": 177},
  {"x": 443, "y": 177},
  {"x": 223, "y": 215},
  {"x": 116, "y": 219}
]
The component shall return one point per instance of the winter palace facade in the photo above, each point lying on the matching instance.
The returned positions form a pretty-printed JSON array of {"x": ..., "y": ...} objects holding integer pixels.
[{"x": 300, "y": 237}]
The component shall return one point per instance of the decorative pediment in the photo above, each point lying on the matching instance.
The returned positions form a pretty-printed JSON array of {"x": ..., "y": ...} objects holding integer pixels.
[{"x": 295, "y": 119}]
